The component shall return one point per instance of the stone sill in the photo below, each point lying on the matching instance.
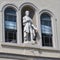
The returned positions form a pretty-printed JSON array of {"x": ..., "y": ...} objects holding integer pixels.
[{"x": 29, "y": 46}]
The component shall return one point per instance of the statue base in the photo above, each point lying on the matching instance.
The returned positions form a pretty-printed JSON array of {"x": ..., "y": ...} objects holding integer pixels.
[{"x": 31, "y": 42}]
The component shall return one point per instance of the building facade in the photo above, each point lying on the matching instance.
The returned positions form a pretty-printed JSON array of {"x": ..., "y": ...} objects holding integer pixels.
[{"x": 45, "y": 15}]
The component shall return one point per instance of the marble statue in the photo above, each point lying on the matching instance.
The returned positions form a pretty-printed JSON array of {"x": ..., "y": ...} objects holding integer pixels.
[{"x": 29, "y": 29}]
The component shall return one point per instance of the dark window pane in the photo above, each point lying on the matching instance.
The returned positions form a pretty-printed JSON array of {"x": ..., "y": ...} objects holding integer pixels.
[
  {"x": 10, "y": 18},
  {"x": 45, "y": 17},
  {"x": 46, "y": 40},
  {"x": 10, "y": 36},
  {"x": 46, "y": 29},
  {"x": 10, "y": 10},
  {"x": 10, "y": 25}
]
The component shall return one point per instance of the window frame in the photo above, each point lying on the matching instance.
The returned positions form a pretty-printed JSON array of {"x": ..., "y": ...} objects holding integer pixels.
[
  {"x": 3, "y": 20},
  {"x": 5, "y": 28},
  {"x": 43, "y": 34},
  {"x": 54, "y": 29}
]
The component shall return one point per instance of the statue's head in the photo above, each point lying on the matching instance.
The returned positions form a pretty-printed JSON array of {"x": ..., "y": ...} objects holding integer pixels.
[{"x": 27, "y": 12}]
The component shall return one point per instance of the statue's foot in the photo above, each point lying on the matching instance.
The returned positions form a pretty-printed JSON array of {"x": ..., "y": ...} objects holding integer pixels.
[
  {"x": 30, "y": 42},
  {"x": 26, "y": 41},
  {"x": 33, "y": 42}
]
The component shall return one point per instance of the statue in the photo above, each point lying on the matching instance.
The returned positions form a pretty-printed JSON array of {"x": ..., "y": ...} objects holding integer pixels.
[{"x": 29, "y": 29}]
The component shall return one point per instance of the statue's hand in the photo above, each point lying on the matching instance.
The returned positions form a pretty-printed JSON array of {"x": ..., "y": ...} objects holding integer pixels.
[{"x": 36, "y": 30}]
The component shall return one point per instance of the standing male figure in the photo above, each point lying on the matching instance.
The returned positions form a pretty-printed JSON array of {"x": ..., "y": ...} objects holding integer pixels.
[{"x": 29, "y": 28}]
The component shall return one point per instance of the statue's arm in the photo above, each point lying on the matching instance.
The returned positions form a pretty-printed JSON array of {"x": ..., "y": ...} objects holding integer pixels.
[
  {"x": 34, "y": 27},
  {"x": 24, "y": 20}
]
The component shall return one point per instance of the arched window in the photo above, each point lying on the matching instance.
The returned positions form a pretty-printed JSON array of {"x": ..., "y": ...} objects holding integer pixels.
[
  {"x": 10, "y": 25},
  {"x": 46, "y": 29}
]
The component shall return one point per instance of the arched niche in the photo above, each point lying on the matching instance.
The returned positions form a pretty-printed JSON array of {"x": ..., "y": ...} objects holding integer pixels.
[
  {"x": 32, "y": 15},
  {"x": 32, "y": 12}
]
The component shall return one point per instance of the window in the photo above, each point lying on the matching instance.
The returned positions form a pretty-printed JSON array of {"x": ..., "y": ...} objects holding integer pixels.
[
  {"x": 46, "y": 29},
  {"x": 10, "y": 25}
]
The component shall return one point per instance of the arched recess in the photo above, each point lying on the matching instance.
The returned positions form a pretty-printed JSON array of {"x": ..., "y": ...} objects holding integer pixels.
[
  {"x": 4, "y": 10},
  {"x": 5, "y": 5},
  {"x": 33, "y": 13},
  {"x": 53, "y": 26}
]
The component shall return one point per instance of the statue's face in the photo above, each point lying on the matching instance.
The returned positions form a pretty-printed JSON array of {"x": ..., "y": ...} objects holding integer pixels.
[{"x": 27, "y": 13}]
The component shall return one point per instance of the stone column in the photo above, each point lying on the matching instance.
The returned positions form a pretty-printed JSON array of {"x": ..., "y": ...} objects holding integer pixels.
[{"x": 19, "y": 29}]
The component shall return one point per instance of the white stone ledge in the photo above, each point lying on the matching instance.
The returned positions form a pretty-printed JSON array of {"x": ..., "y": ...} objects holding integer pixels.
[{"x": 29, "y": 46}]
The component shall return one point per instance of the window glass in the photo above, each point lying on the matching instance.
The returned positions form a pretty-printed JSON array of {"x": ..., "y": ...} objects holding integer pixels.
[
  {"x": 46, "y": 29},
  {"x": 10, "y": 25}
]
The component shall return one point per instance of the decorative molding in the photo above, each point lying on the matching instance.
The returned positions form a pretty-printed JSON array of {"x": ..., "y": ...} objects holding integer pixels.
[
  {"x": 5, "y": 5},
  {"x": 28, "y": 46},
  {"x": 29, "y": 4},
  {"x": 24, "y": 57}
]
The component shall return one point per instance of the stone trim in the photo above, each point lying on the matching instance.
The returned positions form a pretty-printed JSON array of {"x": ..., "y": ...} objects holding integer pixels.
[
  {"x": 29, "y": 46},
  {"x": 24, "y": 57}
]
